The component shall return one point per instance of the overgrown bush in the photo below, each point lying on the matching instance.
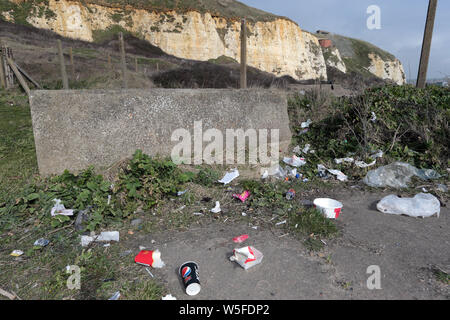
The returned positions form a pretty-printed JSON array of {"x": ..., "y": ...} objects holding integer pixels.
[{"x": 406, "y": 123}]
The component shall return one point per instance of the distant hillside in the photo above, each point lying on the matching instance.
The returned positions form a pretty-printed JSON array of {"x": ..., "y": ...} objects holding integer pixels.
[{"x": 208, "y": 29}]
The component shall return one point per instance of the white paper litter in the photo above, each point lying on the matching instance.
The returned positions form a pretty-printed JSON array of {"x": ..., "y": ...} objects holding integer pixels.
[
  {"x": 115, "y": 296},
  {"x": 216, "y": 209},
  {"x": 280, "y": 223},
  {"x": 168, "y": 297},
  {"x": 104, "y": 236},
  {"x": 339, "y": 175},
  {"x": 340, "y": 160},
  {"x": 59, "y": 209},
  {"x": 229, "y": 176}
]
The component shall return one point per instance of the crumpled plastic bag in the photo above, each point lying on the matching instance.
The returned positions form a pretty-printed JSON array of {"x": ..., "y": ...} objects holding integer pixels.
[
  {"x": 230, "y": 176},
  {"x": 422, "y": 205},
  {"x": 59, "y": 209},
  {"x": 247, "y": 257},
  {"x": 294, "y": 161},
  {"x": 397, "y": 175}
]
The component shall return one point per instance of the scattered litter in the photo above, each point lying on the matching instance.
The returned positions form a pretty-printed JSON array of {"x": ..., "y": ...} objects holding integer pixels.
[
  {"x": 247, "y": 257},
  {"x": 280, "y": 223},
  {"x": 229, "y": 176},
  {"x": 16, "y": 253},
  {"x": 108, "y": 236},
  {"x": 421, "y": 205},
  {"x": 180, "y": 193},
  {"x": 397, "y": 175},
  {"x": 276, "y": 171},
  {"x": 362, "y": 164},
  {"x": 150, "y": 259},
  {"x": 306, "y": 124},
  {"x": 374, "y": 117},
  {"x": 41, "y": 242},
  {"x": 59, "y": 209},
  {"x": 296, "y": 225},
  {"x": 109, "y": 199},
  {"x": 82, "y": 217},
  {"x": 283, "y": 235},
  {"x": 306, "y": 148},
  {"x": 241, "y": 238},
  {"x": 189, "y": 273},
  {"x": 103, "y": 236},
  {"x": 180, "y": 208},
  {"x": 149, "y": 272},
  {"x": 442, "y": 188},
  {"x": 243, "y": 196},
  {"x": 197, "y": 213},
  {"x": 329, "y": 207},
  {"x": 339, "y": 175},
  {"x": 115, "y": 296},
  {"x": 297, "y": 150},
  {"x": 168, "y": 297},
  {"x": 290, "y": 194},
  {"x": 340, "y": 160},
  {"x": 265, "y": 174},
  {"x": 216, "y": 209},
  {"x": 294, "y": 161},
  {"x": 107, "y": 245},
  {"x": 244, "y": 214},
  {"x": 424, "y": 190},
  {"x": 255, "y": 227}
]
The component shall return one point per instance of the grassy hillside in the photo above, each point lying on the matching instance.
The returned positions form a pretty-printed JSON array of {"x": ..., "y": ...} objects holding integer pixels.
[{"x": 228, "y": 9}]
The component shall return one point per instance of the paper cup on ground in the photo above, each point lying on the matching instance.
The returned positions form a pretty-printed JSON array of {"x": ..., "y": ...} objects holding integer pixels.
[
  {"x": 189, "y": 273},
  {"x": 329, "y": 207}
]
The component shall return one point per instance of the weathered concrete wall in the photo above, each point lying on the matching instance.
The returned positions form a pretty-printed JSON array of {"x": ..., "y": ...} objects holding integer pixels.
[{"x": 77, "y": 128}]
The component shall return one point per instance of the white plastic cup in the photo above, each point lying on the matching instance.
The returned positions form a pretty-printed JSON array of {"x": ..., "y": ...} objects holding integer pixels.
[{"x": 329, "y": 207}]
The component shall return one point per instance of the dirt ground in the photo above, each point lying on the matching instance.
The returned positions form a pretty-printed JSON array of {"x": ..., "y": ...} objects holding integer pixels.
[{"x": 406, "y": 249}]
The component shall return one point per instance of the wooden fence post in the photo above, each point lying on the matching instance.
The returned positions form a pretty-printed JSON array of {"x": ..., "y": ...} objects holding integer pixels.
[
  {"x": 18, "y": 75},
  {"x": 2, "y": 73},
  {"x": 426, "y": 45},
  {"x": 123, "y": 61},
  {"x": 63, "y": 66},
  {"x": 8, "y": 73},
  {"x": 243, "y": 54},
  {"x": 71, "y": 62}
]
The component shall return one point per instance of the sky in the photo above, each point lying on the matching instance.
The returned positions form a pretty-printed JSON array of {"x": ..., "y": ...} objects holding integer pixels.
[{"x": 401, "y": 33}]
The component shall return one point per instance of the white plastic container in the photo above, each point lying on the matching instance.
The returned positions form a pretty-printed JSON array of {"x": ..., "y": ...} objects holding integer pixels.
[{"x": 329, "y": 207}]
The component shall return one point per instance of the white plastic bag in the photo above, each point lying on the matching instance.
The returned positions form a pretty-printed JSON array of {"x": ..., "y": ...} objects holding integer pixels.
[{"x": 422, "y": 205}]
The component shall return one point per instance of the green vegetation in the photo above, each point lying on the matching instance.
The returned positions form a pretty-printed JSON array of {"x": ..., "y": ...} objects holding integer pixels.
[
  {"x": 27, "y": 8},
  {"x": 411, "y": 126},
  {"x": 223, "y": 60},
  {"x": 100, "y": 36}
]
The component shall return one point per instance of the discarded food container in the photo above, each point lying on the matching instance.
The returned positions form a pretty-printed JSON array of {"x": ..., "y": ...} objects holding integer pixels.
[
  {"x": 247, "y": 257},
  {"x": 189, "y": 273},
  {"x": 149, "y": 258},
  {"x": 329, "y": 207},
  {"x": 290, "y": 194},
  {"x": 229, "y": 176},
  {"x": 243, "y": 196},
  {"x": 59, "y": 209}
]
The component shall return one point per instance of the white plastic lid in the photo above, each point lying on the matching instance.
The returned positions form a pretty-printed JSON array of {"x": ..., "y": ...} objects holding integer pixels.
[{"x": 193, "y": 289}]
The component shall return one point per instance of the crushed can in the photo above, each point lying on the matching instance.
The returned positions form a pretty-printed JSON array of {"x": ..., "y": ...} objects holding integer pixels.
[
  {"x": 189, "y": 274},
  {"x": 290, "y": 194}
]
